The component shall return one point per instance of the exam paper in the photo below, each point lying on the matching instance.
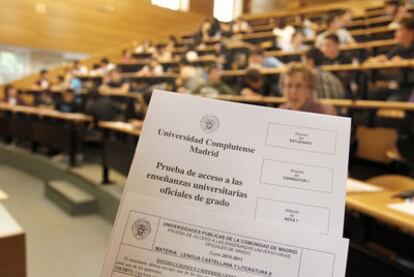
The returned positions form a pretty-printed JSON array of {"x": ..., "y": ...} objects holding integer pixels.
[
  {"x": 263, "y": 164},
  {"x": 153, "y": 238}
]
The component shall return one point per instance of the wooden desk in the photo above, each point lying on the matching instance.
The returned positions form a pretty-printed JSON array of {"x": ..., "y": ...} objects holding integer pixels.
[
  {"x": 50, "y": 128},
  {"x": 179, "y": 51},
  {"x": 268, "y": 35},
  {"x": 132, "y": 66},
  {"x": 363, "y": 23},
  {"x": 339, "y": 103},
  {"x": 332, "y": 68},
  {"x": 205, "y": 50},
  {"x": 12, "y": 246},
  {"x": 135, "y": 66},
  {"x": 379, "y": 234},
  {"x": 143, "y": 55},
  {"x": 165, "y": 77},
  {"x": 168, "y": 77},
  {"x": 114, "y": 93},
  {"x": 120, "y": 140},
  {"x": 375, "y": 204},
  {"x": 354, "y": 46},
  {"x": 372, "y": 31}
]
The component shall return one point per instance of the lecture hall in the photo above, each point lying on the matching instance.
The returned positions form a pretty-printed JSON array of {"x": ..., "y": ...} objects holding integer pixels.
[{"x": 76, "y": 83}]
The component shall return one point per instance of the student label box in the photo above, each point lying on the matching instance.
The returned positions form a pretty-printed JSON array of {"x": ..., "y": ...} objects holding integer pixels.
[
  {"x": 296, "y": 215},
  {"x": 294, "y": 175},
  {"x": 301, "y": 138}
]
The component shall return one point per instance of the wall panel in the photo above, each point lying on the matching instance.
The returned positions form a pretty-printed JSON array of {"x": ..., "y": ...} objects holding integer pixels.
[
  {"x": 87, "y": 25},
  {"x": 203, "y": 7}
]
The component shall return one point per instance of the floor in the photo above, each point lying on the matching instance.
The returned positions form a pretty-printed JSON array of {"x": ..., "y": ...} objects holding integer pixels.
[{"x": 57, "y": 244}]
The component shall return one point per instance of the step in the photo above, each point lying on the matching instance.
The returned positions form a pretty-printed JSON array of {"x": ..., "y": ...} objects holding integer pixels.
[{"x": 70, "y": 198}]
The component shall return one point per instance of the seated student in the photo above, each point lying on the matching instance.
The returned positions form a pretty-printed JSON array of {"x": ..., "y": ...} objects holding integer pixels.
[
  {"x": 126, "y": 56},
  {"x": 69, "y": 104},
  {"x": 296, "y": 43},
  {"x": 345, "y": 17},
  {"x": 401, "y": 14},
  {"x": 308, "y": 27},
  {"x": 391, "y": 7},
  {"x": 404, "y": 49},
  {"x": 297, "y": 85},
  {"x": 258, "y": 60},
  {"x": 100, "y": 107},
  {"x": 114, "y": 82},
  {"x": 253, "y": 84},
  {"x": 60, "y": 83},
  {"x": 43, "y": 81},
  {"x": 240, "y": 26},
  {"x": 327, "y": 85},
  {"x": 283, "y": 33},
  {"x": 162, "y": 54},
  {"x": 215, "y": 31},
  {"x": 106, "y": 65},
  {"x": 214, "y": 85},
  {"x": 146, "y": 47},
  {"x": 78, "y": 69},
  {"x": 334, "y": 24},
  {"x": 153, "y": 68},
  {"x": 73, "y": 82},
  {"x": 172, "y": 43},
  {"x": 12, "y": 97},
  {"x": 44, "y": 100},
  {"x": 205, "y": 31},
  {"x": 221, "y": 53},
  {"x": 332, "y": 52},
  {"x": 66, "y": 81},
  {"x": 334, "y": 56},
  {"x": 137, "y": 109},
  {"x": 226, "y": 29},
  {"x": 189, "y": 77}
]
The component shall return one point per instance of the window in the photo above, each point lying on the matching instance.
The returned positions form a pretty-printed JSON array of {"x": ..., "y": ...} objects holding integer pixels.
[
  {"x": 13, "y": 65},
  {"x": 18, "y": 62},
  {"x": 227, "y": 10},
  {"x": 176, "y": 5}
]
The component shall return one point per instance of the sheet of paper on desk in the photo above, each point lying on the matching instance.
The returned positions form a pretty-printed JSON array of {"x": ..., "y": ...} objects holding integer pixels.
[
  {"x": 154, "y": 238},
  {"x": 405, "y": 207},
  {"x": 353, "y": 185},
  {"x": 264, "y": 164}
]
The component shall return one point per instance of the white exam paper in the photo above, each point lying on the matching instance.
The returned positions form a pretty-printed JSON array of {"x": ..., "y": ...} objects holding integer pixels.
[
  {"x": 284, "y": 167},
  {"x": 153, "y": 238}
]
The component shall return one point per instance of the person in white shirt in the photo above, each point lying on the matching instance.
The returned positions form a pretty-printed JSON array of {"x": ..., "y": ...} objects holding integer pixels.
[
  {"x": 153, "y": 68},
  {"x": 297, "y": 42},
  {"x": 283, "y": 33},
  {"x": 162, "y": 54},
  {"x": 78, "y": 69},
  {"x": 258, "y": 60},
  {"x": 106, "y": 65}
]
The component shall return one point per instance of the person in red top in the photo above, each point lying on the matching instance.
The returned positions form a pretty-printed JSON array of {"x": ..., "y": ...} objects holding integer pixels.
[
  {"x": 297, "y": 85},
  {"x": 43, "y": 81}
]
